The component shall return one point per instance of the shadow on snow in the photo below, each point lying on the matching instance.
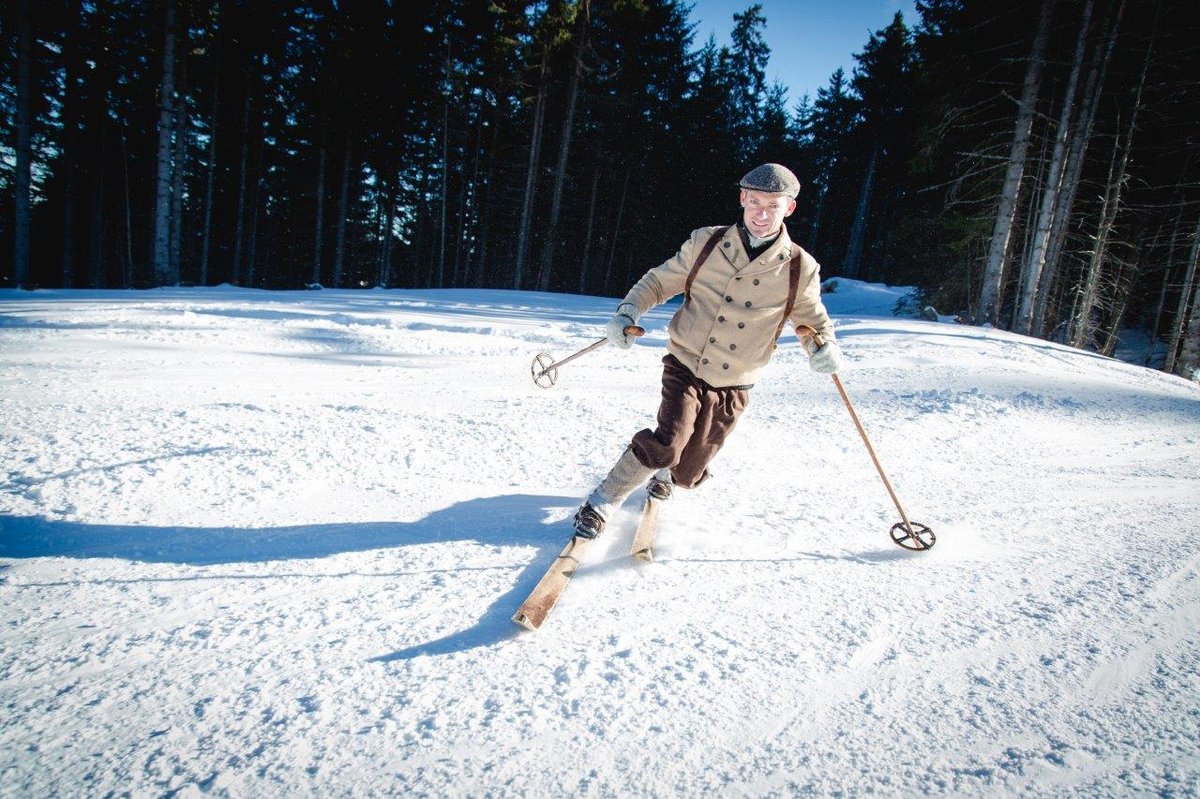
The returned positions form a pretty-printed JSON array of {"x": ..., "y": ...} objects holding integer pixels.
[{"x": 516, "y": 520}]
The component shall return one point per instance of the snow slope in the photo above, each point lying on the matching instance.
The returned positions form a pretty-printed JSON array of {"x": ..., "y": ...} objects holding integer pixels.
[{"x": 268, "y": 544}]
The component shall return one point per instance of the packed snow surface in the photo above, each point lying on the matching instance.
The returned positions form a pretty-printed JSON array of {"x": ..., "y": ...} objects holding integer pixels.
[{"x": 268, "y": 544}]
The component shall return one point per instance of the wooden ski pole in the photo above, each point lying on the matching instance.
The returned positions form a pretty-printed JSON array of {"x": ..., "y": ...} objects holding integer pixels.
[
  {"x": 912, "y": 531},
  {"x": 546, "y": 374}
]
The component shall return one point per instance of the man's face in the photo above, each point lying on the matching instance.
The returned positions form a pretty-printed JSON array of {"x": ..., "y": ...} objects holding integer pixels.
[{"x": 764, "y": 213}]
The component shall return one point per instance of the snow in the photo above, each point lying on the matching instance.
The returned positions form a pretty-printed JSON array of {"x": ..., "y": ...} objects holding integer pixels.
[{"x": 268, "y": 544}]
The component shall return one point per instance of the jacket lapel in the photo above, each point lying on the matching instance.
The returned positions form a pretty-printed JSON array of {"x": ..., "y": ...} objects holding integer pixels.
[
  {"x": 776, "y": 256},
  {"x": 732, "y": 250}
]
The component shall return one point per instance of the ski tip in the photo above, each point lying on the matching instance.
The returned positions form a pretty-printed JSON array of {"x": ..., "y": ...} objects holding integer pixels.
[{"x": 523, "y": 620}]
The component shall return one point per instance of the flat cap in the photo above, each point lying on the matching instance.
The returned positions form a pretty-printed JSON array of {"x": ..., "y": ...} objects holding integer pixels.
[{"x": 771, "y": 178}]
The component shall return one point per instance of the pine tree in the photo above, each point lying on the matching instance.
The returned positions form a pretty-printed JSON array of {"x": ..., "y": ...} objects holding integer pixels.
[
  {"x": 746, "y": 66},
  {"x": 883, "y": 83}
]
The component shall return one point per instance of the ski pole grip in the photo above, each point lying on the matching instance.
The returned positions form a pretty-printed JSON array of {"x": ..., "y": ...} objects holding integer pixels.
[
  {"x": 805, "y": 330},
  {"x": 634, "y": 330}
]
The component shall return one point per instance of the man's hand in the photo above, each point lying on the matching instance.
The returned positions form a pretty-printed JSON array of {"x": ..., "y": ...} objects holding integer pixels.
[
  {"x": 627, "y": 316},
  {"x": 826, "y": 359}
]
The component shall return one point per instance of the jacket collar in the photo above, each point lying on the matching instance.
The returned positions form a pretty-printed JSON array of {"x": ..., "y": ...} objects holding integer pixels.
[{"x": 775, "y": 256}]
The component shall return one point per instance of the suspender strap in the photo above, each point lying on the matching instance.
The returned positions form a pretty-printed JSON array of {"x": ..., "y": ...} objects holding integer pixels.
[
  {"x": 793, "y": 276},
  {"x": 705, "y": 251},
  {"x": 793, "y": 290}
]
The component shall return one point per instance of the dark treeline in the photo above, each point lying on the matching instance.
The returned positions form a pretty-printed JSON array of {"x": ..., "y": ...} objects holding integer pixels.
[{"x": 1030, "y": 164}]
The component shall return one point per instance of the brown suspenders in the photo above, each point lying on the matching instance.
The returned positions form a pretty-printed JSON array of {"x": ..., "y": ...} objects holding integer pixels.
[
  {"x": 793, "y": 277},
  {"x": 793, "y": 289},
  {"x": 705, "y": 251}
]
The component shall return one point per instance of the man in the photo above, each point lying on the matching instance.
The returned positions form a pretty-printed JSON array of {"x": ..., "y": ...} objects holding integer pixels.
[{"x": 741, "y": 283}]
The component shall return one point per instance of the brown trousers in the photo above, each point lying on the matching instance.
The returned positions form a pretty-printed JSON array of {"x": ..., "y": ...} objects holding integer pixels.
[{"x": 694, "y": 419}]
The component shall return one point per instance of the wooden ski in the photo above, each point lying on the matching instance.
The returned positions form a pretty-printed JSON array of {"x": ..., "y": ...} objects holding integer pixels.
[
  {"x": 643, "y": 539},
  {"x": 546, "y": 593}
]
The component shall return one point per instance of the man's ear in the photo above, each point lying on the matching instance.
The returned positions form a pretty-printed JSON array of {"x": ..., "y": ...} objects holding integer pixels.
[
  {"x": 742, "y": 197},
  {"x": 791, "y": 207}
]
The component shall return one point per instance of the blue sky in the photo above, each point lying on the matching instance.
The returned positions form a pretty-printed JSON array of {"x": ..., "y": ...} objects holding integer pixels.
[{"x": 809, "y": 39}]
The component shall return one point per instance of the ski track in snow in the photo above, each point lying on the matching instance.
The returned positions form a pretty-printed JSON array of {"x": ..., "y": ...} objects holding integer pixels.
[{"x": 268, "y": 544}]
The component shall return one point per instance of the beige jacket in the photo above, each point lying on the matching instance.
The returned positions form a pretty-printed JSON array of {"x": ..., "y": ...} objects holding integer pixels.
[{"x": 726, "y": 333}]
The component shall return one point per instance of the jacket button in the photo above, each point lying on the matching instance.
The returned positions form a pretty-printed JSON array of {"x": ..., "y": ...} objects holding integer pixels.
[
  {"x": 724, "y": 366},
  {"x": 725, "y": 245},
  {"x": 740, "y": 325},
  {"x": 756, "y": 281},
  {"x": 732, "y": 346},
  {"x": 728, "y": 298},
  {"x": 712, "y": 339},
  {"x": 704, "y": 361},
  {"x": 748, "y": 303},
  {"x": 722, "y": 319}
]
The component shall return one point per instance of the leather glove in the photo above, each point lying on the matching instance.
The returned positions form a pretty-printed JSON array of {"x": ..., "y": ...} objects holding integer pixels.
[
  {"x": 827, "y": 359},
  {"x": 627, "y": 314}
]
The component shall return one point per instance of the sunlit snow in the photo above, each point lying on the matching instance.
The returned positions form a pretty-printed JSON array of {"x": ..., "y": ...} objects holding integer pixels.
[{"x": 268, "y": 544}]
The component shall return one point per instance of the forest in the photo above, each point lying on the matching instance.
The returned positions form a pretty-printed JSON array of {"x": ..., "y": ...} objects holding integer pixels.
[{"x": 1030, "y": 165}]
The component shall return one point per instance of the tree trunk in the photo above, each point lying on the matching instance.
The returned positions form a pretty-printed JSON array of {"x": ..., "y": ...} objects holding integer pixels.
[
  {"x": 550, "y": 246},
  {"x": 1110, "y": 207},
  {"x": 1075, "y": 163},
  {"x": 616, "y": 233},
  {"x": 211, "y": 176},
  {"x": 383, "y": 191},
  {"x": 1119, "y": 301},
  {"x": 535, "y": 148},
  {"x": 393, "y": 199},
  {"x": 256, "y": 206},
  {"x": 1036, "y": 260},
  {"x": 422, "y": 274},
  {"x": 339, "y": 254},
  {"x": 818, "y": 211},
  {"x": 1029, "y": 225},
  {"x": 163, "y": 275},
  {"x": 96, "y": 239},
  {"x": 467, "y": 214},
  {"x": 444, "y": 210},
  {"x": 586, "y": 259},
  {"x": 73, "y": 70},
  {"x": 1187, "y": 362},
  {"x": 127, "y": 270},
  {"x": 243, "y": 177},
  {"x": 23, "y": 210},
  {"x": 1159, "y": 306},
  {"x": 179, "y": 152},
  {"x": 991, "y": 295},
  {"x": 858, "y": 231},
  {"x": 483, "y": 211},
  {"x": 1189, "y": 357},
  {"x": 319, "y": 222},
  {"x": 1079, "y": 333}
]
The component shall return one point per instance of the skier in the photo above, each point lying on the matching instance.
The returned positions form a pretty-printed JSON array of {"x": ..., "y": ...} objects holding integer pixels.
[{"x": 740, "y": 283}]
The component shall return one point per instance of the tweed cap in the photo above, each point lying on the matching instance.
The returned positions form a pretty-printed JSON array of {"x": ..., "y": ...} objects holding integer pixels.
[{"x": 771, "y": 178}]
